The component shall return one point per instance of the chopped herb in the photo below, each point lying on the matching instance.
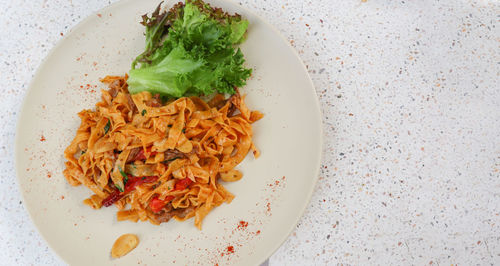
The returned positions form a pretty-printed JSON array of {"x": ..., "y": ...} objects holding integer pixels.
[
  {"x": 125, "y": 180},
  {"x": 183, "y": 130},
  {"x": 133, "y": 165},
  {"x": 83, "y": 152},
  {"x": 121, "y": 172},
  {"x": 143, "y": 113},
  {"x": 143, "y": 178},
  {"x": 119, "y": 188},
  {"x": 107, "y": 126},
  {"x": 169, "y": 187},
  {"x": 169, "y": 126}
]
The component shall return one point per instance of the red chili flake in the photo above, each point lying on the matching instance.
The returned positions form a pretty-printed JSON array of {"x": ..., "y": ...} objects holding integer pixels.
[
  {"x": 99, "y": 15},
  {"x": 62, "y": 197},
  {"x": 277, "y": 182},
  {"x": 320, "y": 20},
  {"x": 61, "y": 34},
  {"x": 85, "y": 74},
  {"x": 258, "y": 232},
  {"x": 230, "y": 249},
  {"x": 268, "y": 205},
  {"x": 49, "y": 175},
  {"x": 42, "y": 138},
  {"x": 242, "y": 225}
]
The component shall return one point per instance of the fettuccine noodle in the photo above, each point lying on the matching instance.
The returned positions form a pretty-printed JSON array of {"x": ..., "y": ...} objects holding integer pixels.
[{"x": 156, "y": 161}]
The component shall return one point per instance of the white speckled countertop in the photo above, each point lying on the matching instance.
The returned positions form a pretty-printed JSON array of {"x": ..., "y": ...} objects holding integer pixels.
[{"x": 410, "y": 99}]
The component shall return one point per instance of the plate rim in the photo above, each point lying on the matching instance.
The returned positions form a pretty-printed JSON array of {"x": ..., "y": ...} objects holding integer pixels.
[{"x": 43, "y": 63}]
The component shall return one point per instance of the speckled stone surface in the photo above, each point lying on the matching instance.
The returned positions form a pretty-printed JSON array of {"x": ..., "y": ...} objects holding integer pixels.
[{"x": 410, "y": 99}]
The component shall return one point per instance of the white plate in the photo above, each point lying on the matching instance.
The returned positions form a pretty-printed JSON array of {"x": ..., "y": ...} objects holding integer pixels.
[{"x": 289, "y": 137}]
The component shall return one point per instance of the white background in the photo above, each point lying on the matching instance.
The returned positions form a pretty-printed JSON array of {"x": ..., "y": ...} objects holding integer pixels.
[{"x": 410, "y": 99}]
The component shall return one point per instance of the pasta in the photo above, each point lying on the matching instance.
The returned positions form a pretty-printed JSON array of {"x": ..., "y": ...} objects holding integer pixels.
[{"x": 155, "y": 161}]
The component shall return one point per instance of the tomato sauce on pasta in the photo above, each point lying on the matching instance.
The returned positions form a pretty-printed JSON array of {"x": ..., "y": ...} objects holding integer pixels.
[{"x": 155, "y": 161}]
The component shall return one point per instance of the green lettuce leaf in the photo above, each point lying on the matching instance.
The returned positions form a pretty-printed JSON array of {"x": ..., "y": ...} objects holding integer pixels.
[{"x": 191, "y": 50}]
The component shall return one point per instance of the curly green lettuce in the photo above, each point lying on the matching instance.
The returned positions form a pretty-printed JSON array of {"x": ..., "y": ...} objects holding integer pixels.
[{"x": 190, "y": 50}]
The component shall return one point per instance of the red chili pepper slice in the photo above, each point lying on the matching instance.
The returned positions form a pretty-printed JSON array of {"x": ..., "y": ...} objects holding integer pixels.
[
  {"x": 183, "y": 184},
  {"x": 112, "y": 198},
  {"x": 141, "y": 156},
  {"x": 134, "y": 181},
  {"x": 157, "y": 204}
]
